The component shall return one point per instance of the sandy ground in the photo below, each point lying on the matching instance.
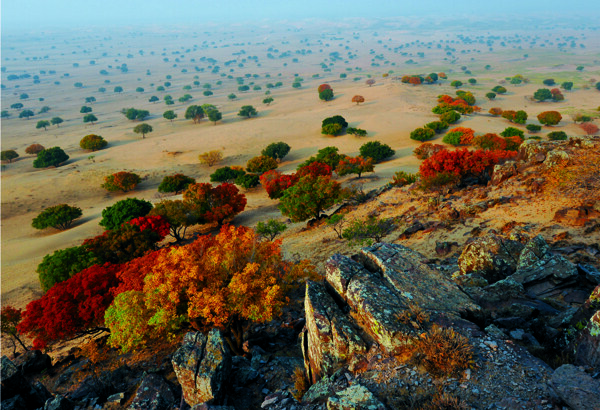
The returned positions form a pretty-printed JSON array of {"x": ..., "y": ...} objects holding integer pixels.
[{"x": 390, "y": 112}]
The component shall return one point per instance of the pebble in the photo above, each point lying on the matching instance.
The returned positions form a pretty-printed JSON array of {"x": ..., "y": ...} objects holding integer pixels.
[
  {"x": 491, "y": 344},
  {"x": 269, "y": 402}
]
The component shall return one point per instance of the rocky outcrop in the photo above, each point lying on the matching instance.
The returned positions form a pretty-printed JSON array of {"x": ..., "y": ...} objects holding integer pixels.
[
  {"x": 153, "y": 394},
  {"x": 502, "y": 172},
  {"x": 202, "y": 365},
  {"x": 492, "y": 257},
  {"x": 33, "y": 361},
  {"x": 17, "y": 389},
  {"x": 577, "y": 388},
  {"x": 330, "y": 339},
  {"x": 59, "y": 403},
  {"x": 355, "y": 397}
]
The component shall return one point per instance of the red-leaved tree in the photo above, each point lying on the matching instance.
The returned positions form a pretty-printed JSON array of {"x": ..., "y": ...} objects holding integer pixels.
[
  {"x": 215, "y": 204},
  {"x": 156, "y": 223},
  {"x": 323, "y": 87},
  {"x": 354, "y": 165},
  {"x": 314, "y": 169},
  {"x": 276, "y": 183},
  {"x": 589, "y": 128}
]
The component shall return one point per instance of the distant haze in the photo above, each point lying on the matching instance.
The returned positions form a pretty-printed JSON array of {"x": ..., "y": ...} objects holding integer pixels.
[{"x": 33, "y": 15}]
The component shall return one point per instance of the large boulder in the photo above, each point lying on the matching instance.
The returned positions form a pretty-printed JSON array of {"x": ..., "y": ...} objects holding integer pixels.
[
  {"x": 59, "y": 403},
  {"x": 33, "y": 361},
  {"x": 502, "y": 172},
  {"x": 202, "y": 365},
  {"x": 153, "y": 394},
  {"x": 576, "y": 388},
  {"x": 492, "y": 257},
  {"x": 14, "y": 384},
  {"x": 355, "y": 397},
  {"x": 330, "y": 339}
]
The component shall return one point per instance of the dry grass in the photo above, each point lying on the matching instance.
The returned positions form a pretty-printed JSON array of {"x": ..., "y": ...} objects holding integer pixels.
[
  {"x": 444, "y": 352},
  {"x": 300, "y": 383}
]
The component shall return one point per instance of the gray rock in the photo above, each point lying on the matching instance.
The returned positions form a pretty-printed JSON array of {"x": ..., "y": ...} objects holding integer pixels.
[
  {"x": 116, "y": 398},
  {"x": 153, "y": 394},
  {"x": 202, "y": 365},
  {"x": 59, "y": 403},
  {"x": 330, "y": 339},
  {"x": 576, "y": 388},
  {"x": 356, "y": 397},
  {"x": 14, "y": 384},
  {"x": 319, "y": 391},
  {"x": 503, "y": 290},
  {"x": 492, "y": 257},
  {"x": 15, "y": 403},
  {"x": 33, "y": 361}
]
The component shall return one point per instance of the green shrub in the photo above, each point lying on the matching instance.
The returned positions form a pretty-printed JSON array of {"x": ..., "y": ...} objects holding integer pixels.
[
  {"x": 50, "y": 157},
  {"x": 63, "y": 264},
  {"x": 336, "y": 119},
  {"x": 453, "y": 138},
  {"x": 59, "y": 217},
  {"x": 247, "y": 180},
  {"x": 175, "y": 183},
  {"x": 226, "y": 174},
  {"x": 533, "y": 128},
  {"x": 270, "y": 229},
  {"x": 331, "y": 129},
  {"x": 437, "y": 126},
  {"x": 9, "y": 155},
  {"x": 557, "y": 136},
  {"x": 276, "y": 150},
  {"x": 402, "y": 178},
  {"x": 356, "y": 132},
  {"x": 364, "y": 232},
  {"x": 123, "y": 211},
  {"x": 511, "y": 132},
  {"x": 376, "y": 150},
  {"x": 261, "y": 164},
  {"x": 121, "y": 181},
  {"x": 422, "y": 134},
  {"x": 93, "y": 142},
  {"x": 450, "y": 117}
]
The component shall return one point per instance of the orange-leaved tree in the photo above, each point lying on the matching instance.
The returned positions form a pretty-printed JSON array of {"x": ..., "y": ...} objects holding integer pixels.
[
  {"x": 354, "y": 165},
  {"x": 225, "y": 281},
  {"x": 358, "y": 99},
  {"x": 215, "y": 204}
]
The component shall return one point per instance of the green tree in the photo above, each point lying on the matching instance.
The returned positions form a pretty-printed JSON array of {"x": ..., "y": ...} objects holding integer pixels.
[
  {"x": 309, "y": 197},
  {"x": 542, "y": 94},
  {"x": 247, "y": 111},
  {"x": 85, "y": 109},
  {"x": 59, "y": 217},
  {"x": 364, "y": 232},
  {"x": 376, "y": 150},
  {"x": 557, "y": 136},
  {"x": 5, "y": 114},
  {"x": 180, "y": 215},
  {"x": 490, "y": 96},
  {"x": 169, "y": 115},
  {"x": 123, "y": 211},
  {"x": 175, "y": 183},
  {"x": 26, "y": 114},
  {"x": 121, "y": 181},
  {"x": 118, "y": 89},
  {"x": 247, "y": 181},
  {"x": 194, "y": 113},
  {"x": 268, "y": 100},
  {"x": 153, "y": 99},
  {"x": 261, "y": 164},
  {"x": 499, "y": 89},
  {"x": 331, "y": 129},
  {"x": 135, "y": 114},
  {"x": 567, "y": 85},
  {"x": 450, "y": 117},
  {"x": 56, "y": 121},
  {"x": 226, "y": 174},
  {"x": 9, "y": 155},
  {"x": 44, "y": 109},
  {"x": 142, "y": 129},
  {"x": 533, "y": 128},
  {"x": 42, "y": 124},
  {"x": 16, "y": 106},
  {"x": 326, "y": 95},
  {"x": 422, "y": 134},
  {"x": 90, "y": 118},
  {"x": 214, "y": 116},
  {"x": 276, "y": 150},
  {"x": 270, "y": 229},
  {"x": 456, "y": 83},
  {"x": 63, "y": 264},
  {"x": 50, "y": 157},
  {"x": 93, "y": 142},
  {"x": 511, "y": 132}
]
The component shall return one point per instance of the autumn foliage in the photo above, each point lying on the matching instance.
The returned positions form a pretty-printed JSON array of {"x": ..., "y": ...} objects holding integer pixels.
[
  {"x": 460, "y": 136},
  {"x": 309, "y": 197},
  {"x": 354, "y": 165},
  {"x": 358, "y": 99},
  {"x": 549, "y": 117},
  {"x": 121, "y": 181},
  {"x": 215, "y": 204},
  {"x": 323, "y": 87},
  {"x": 275, "y": 183},
  {"x": 427, "y": 149},
  {"x": 589, "y": 128}
]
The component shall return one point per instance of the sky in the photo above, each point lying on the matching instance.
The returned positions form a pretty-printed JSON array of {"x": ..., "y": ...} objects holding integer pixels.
[{"x": 41, "y": 14}]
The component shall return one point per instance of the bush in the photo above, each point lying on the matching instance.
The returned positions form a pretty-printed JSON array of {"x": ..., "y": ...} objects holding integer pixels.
[
  {"x": 261, "y": 164},
  {"x": 331, "y": 129},
  {"x": 376, "y": 150},
  {"x": 270, "y": 229},
  {"x": 275, "y": 183},
  {"x": 427, "y": 149},
  {"x": 490, "y": 96},
  {"x": 215, "y": 204},
  {"x": 557, "y": 136},
  {"x": 247, "y": 181},
  {"x": 62, "y": 265},
  {"x": 511, "y": 132},
  {"x": 533, "y": 128},
  {"x": 402, "y": 178},
  {"x": 445, "y": 352},
  {"x": 122, "y": 244},
  {"x": 490, "y": 141},
  {"x": 9, "y": 155},
  {"x": 336, "y": 119},
  {"x": 34, "y": 149},
  {"x": 499, "y": 89},
  {"x": 175, "y": 183},
  {"x": 495, "y": 111},
  {"x": 211, "y": 158},
  {"x": 450, "y": 117},
  {"x": 121, "y": 181},
  {"x": 59, "y": 217},
  {"x": 364, "y": 232},
  {"x": 452, "y": 138},
  {"x": 50, "y": 157},
  {"x": 549, "y": 117},
  {"x": 226, "y": 174},
  {"x": 437, "y": 126},
  {"x": 276, "y": 150},
  {"x": 542, "y": 94},
  {"x": 354, "y": 165},
  {"x": 589, "y": 128},
  {"x": 422, "y": 134},
  {"x": 92, "y": 142},
  {"x": 309, "y": 197},
  {"x": 123, "y": 211},
  {"x": 359, "y": 132},
  {"x": 326, "y": 95},
  {"x": 518, "y": 117}
]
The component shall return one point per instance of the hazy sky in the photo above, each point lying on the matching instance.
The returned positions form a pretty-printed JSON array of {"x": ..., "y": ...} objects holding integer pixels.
[{"x": 39, "y": 14}]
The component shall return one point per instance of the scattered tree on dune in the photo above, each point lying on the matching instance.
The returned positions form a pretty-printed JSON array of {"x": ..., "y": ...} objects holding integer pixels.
[
  {"x": 276, "y": 150},
  {"x": 34, "y": 149},
  {"x": 214, "y": 116},
  {"x": 247, "y": 111},
  {"x": 92, "y": 142},
  {"x": 326, "y": 95},
  {"x": 211, "y": 158},
  {"x": 261, "y": 164},
  {"x": 26, "y": 114},
  {"x": 175, "y": 183},
  {"x": 549, "y": 117},
  {"x": 370, "y": 82},
  {"x": 542, "y": 94},
  {"x": 56, "y": 121},
  {"x": 85, "y": 109},
  {"x": 9, "y": 155},
  {"x": 59, "y": 217},
  {"x": 142, "y": 129},
  {"x": 121, "y": 181},
  {"x": 42, "y": 124},
  {"x": 354, "y": 165},
  {"x": 323, "y": 87},
  {"x": 422, "y": 134},
  {"x": 358, "y": 99},
  {"x": 275, "y": 183},
  {"x": 50, "y": 157},
  {"x": 134, "y": 114},
  {"x": 169, "y": 115},
  {"x": 495, "y": 111},
  {"x": 90, "y": 118},
  {"x": 268, "y": 100},
  {"x": 226, "y": 174}
]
